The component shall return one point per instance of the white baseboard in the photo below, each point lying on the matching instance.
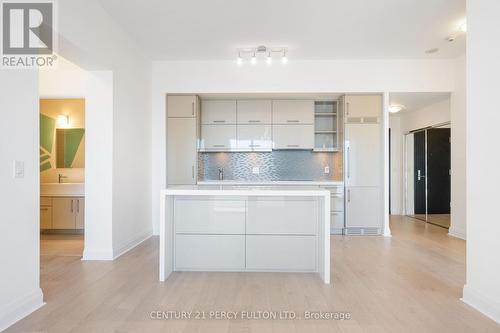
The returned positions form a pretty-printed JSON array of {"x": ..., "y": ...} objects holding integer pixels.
[
  {"x": 127, "y": 246},
  {"x": 97, "y": 254},
  {"x": 482, "y": 303},
  {"x": 20, "y": 308},
  {"x": 457, "y": 233}
]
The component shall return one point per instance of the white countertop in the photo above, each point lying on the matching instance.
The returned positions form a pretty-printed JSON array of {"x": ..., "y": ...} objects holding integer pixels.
[
  {"x": 278, "y": 182},
  {"x": 245, "y": 190}
]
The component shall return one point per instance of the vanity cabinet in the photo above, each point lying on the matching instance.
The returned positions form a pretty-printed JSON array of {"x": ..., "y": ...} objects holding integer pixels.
[
  {"x": 218, "y": 112},
  {"x": 254, "y": 112},
  {"x": 288, "y": 112},
  {"x": 63, "y": 213},
  {"x": 293, "y": 136}
]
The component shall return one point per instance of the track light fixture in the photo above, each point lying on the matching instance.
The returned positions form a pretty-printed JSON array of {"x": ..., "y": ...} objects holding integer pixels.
[{"x": 254, "y": 53}]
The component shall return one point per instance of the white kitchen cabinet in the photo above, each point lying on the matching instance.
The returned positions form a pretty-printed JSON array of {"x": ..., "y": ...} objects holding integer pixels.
[
  {"x": 182, "y": 159},
  {"x": 218, "y": 112},
  {"x": 254, "y": 137},
  {"x": 254, "y": 111},
  {"x": 362, "y": 155},
  {"x": 336, "y": 222},
  {"x": 218, "y": 138},
  {"x": 363, "y": 108},
  {"x": 363, "y": 207},
  {"x": 281, "y": 253},
  {"x": 281, "y": 216},
  {"x": 293, "y": 112},
  {"x": 45, "y": 217},
  {"x": 209, "y": 252},
  {"x": 182, "y": 106},
  {"x": 204, "y": 216},
  {"x": 293, "y": 136}
]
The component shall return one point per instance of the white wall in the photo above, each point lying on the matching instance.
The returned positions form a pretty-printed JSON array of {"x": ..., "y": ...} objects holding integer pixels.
[
  {"x": 297, "y": 76},
  {"x": 19, "y": 198},
  {"x": 458, "y": 152},
  {"x": 397, "y": 174},
  {"x": 482, "y": 290},
  {"x": 103, "y": 45}
]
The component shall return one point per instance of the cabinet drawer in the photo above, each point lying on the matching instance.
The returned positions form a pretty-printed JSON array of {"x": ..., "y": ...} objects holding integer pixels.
[
  {"x": 45, "y": 217},
  {"x": 218, "y": 112},
  {"x": 293, "y": 136},
  {"x": 254, "y": 112},
  {"x": 282, "y": 216},
  {"x": 254, "y": 137},
  {"x": 337, "y": 202},
  {"x": 209, "y": 216},
  {"x": 218, "y": 137},
  {"x": 209, "y": 252},
  {"x": 293, "y": 112},
  {"x": 281, "y": 253},
  {"x": 45, "y": 201}
]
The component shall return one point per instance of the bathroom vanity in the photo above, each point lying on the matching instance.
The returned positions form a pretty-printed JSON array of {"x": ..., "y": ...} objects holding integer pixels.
[{"x": 245, "y": 229}]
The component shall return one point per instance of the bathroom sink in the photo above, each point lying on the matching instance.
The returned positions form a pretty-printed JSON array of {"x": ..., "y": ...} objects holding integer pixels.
[{"x": 62, "y": 189}]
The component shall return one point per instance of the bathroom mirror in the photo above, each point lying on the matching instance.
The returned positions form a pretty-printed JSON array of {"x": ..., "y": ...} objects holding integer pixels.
[{"x": 70, "y": 148}]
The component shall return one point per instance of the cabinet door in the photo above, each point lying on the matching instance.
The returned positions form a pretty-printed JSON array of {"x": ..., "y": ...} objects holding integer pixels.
[
  {"x": 80, "y": 213},
  {"x": 218, "y": 137},
  {"x": 218, "y": 112},
  {"x": 63, "y": 213},
  {"x": 210, "y": 252},
  {"x": 293, "y": 136},
  {"x": 281, "y": 253},
  {"x": 181, "y": 151},
  {"x": 254, "y": 137},
  {"x": 362, "y": 155},
  {"x": 45, "y": 217},
  {"x": 293, "y": 112},
  {"x": 363, "y": 207},
  {"x": 254, "y": 112},
  {"x": 182, "y": 106},
  {"x": 336, "y": 222},
  {"x": 363, "y": 106}
]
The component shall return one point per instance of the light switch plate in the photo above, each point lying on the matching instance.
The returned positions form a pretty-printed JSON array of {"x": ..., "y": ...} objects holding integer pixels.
[
  {"x": 327, "y": 169},
  {"x": 18, "y": 169},
  {"x": 255, "y": 170}
]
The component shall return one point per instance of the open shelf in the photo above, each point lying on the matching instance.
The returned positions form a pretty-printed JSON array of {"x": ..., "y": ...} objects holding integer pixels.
[{"x": 325, "y": 126}]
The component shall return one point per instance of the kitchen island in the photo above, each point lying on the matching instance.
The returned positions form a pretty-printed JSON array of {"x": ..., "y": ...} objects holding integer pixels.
[{"x": 245, "y": 229}]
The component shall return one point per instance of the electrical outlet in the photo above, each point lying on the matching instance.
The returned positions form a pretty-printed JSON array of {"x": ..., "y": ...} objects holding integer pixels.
[
  {"x": 327, "y": 169},
  {"x": 256, "y": 170},
  {"x": 18, "y": 169}
]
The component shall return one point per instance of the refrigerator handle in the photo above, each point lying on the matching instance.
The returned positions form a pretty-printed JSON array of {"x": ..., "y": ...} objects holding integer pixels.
[
  {"x": 349, "y": 195},
  {"x": 348, "y": 162}
]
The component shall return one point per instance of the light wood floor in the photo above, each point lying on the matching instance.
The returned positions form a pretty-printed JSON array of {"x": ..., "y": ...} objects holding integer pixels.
[
  {"x": 411, "y": 282},
  {"x": 61, "y": 245}
]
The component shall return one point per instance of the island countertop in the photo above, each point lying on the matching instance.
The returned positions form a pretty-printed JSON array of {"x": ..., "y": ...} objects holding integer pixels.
[{"x": 245, "y": 190}]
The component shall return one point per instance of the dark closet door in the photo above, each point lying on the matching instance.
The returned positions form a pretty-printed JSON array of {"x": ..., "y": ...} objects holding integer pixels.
[
  {"x": 419, "y": 172},
  {"x": 438, "y": 171}
]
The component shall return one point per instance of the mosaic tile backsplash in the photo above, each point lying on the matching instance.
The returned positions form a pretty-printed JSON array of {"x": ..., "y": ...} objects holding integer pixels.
[{"x": 273, "y": 166}]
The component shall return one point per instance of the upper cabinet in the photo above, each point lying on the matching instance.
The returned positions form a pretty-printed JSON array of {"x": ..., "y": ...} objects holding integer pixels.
[
  {"x": 182, "y": 106},
  {"x": 254, "y": 112},
  {"x": 218, "y": 112},
  {"x": 363, "y": 108},
  {"x": 290, "y": 112},
  {"x": 293, "y": 136}
]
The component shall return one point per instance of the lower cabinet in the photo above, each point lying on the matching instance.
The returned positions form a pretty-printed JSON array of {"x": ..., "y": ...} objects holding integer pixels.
[
  {"x": 62, "y": 213},
  {"x": 337, "y": 224},
  {"x": 209, "y": 252},
  {"x": 281, "y": 253},
  {"x": 362, "y": 208}
]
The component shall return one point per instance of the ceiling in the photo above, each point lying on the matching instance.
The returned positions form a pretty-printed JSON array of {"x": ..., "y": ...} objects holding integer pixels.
[
  {"x": 416, "y": 101},
  {"x": 313, "y": 29}
]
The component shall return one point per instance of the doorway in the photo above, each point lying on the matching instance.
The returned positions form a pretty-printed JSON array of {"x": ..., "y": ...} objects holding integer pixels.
[{"x": 428, "y": 174}]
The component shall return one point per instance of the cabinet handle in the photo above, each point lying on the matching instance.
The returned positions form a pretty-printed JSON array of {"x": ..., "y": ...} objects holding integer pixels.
[
  {"x": 254, "y": 121},
  {"x": 44, "y": 208},
  {"x": 254, "y": 145},
  {"x": 192, "y": 171},
  {"x": 347, "y": 104},
  {"x": 293, "y": 121},
  {"x": 218, "y": 146},
  {"x": 348, "y": 162},
  {"x": 219, "y": 121},
  {"x": 292, "y": 145},
  {"x": 78, "y": 206},
  {"x": 348, "y": 195},
  {"x": 72, "y": 203},
  {"x": 192, "y": 108}
]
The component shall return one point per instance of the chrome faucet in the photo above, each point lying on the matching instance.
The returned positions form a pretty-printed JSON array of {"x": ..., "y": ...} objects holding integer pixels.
[
  {"x": 221, "y": 173},
  {"x": 61, "y": 177}
]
